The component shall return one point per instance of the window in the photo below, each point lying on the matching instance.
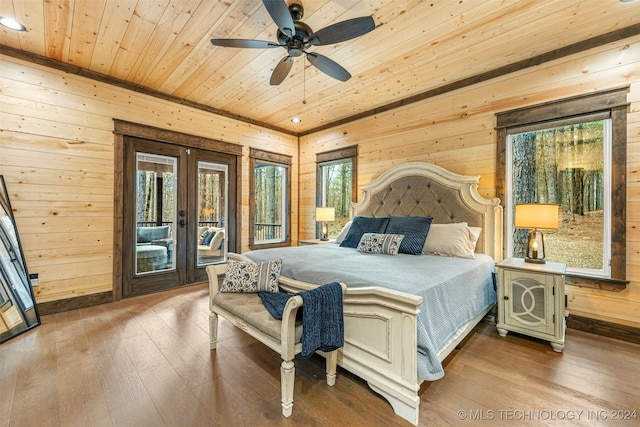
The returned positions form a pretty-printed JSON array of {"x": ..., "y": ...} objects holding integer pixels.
[
  {"x": 270, "y": 199},
  {"x": 567, "y": 153},
  {"x": 336, "y": 185}
]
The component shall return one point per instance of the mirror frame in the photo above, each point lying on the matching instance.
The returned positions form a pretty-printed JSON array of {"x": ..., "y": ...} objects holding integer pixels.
[{"x": 15, "y": 283}]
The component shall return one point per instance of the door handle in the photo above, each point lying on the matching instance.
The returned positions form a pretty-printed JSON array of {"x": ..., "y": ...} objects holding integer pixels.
[{"x": 182, "y": 223}]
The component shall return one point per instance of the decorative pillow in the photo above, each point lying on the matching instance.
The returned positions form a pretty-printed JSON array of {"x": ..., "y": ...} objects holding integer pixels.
[
  {"x": 343, "y": 232},
  {"x": 251, "y": 277},
  {"x": 373, "y": 243},
  {"x": 216, "y": 240},
  {"x": 361, "y": 225},
  {"x": 208, "y": 237},
  {"x": 203, "y": 235},
  {"x": 414, "y": 229},
  {"x": 449, "y": 240}
]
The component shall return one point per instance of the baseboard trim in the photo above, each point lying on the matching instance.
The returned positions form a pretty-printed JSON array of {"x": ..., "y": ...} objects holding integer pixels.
[
  {"x": 58, "y": 306},
  {"x": 604, "y": 328}
]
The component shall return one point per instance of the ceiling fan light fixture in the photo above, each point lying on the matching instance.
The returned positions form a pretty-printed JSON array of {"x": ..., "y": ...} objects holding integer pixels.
[
  {"x": 12, "y": 24},
  {"x": 296, "y": 37}
]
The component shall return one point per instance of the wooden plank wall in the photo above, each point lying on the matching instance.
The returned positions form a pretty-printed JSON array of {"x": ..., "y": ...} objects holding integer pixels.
[
  {"x": 456, "y": 131},
  {"x": 57, "y": 157}
]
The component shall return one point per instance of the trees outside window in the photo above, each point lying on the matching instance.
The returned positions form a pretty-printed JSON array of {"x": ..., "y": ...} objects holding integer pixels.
[
  {"x": 155, "y": 190},
  {"x": 270, "y": 199},
  {"x": 336, "y": 185},
  {"x": 566, "y": 165}
]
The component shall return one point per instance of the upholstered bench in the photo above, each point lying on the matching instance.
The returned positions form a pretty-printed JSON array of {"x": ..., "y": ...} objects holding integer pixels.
[{"x": 246, "y": 311}]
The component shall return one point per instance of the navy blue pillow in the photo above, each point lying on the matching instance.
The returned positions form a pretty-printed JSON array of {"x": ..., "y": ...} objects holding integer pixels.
[
  {"x": 361, "y": 225},
  {"x": 207, "y": 240},
  {"x": 415, "y": 230}
]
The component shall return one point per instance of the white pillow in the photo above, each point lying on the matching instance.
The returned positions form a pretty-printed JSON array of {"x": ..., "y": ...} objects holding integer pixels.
[
  {"x": 450, "y": 240},
  {"x": 217, "y": 240},
  {"x": 474, "y": 234},
  {"x": 343, "y": 232}
]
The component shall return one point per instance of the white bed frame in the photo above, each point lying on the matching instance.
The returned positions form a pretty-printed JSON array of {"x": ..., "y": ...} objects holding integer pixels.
[{"x": 381, "y": 324}]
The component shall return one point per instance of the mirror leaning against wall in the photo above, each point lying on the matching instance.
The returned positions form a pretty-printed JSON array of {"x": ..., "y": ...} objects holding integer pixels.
[{"x": 18, "y": 310}]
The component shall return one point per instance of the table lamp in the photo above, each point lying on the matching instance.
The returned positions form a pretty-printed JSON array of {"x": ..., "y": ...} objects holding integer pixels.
[
  {"x": 535, "y": 216},
  {"x": 323, "y": 215}
]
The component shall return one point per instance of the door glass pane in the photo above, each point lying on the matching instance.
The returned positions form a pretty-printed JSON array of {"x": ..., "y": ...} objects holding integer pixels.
[
  {"x": 567, "y": 166},
  {"x": 212, "y": 210},
  {"x": 156, "y": 198},
  {"x": 336, "y": 192},
  {"x": 270, "y": 202}
]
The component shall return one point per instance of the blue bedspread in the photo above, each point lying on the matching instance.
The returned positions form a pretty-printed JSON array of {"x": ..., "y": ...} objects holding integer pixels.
[{"x": 455, "y": 290}]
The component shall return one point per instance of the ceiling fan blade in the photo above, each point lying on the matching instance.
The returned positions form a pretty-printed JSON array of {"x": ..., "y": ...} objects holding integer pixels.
[
  {"x": 328, "y": 66},
  {"x": 281, "y": 71},
  {"x": 344, "y": 30},
  {"x": 244, "y": 43},
  {"x": 280, "y": 14}
]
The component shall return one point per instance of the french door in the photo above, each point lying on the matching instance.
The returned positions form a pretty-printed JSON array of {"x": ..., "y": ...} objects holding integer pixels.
[{"x": 179, "y": 214}]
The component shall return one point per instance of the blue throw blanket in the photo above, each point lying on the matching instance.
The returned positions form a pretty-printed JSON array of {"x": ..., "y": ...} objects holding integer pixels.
[{"x": 322, "y": 316}]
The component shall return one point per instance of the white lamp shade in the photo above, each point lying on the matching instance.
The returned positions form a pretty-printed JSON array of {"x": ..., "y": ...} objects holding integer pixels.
[
  {"x": 537, "y": 215},
  {"x": 325, "y": 214}
]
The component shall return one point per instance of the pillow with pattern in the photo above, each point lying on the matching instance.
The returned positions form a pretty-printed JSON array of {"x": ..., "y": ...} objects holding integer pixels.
[
  {"x": 374, "y": 243},
  {"x": 251, "y": 277}
]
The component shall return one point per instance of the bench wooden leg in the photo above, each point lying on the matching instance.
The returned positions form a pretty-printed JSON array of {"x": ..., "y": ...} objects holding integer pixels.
[
  {"x": 213, "y": 330},
  {"x": 332, "y": 363},
  {"x": 287, "y": 379}
]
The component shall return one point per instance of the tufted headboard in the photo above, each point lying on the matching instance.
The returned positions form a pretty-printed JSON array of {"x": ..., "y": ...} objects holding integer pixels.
[{"x": 423, "y": 189}]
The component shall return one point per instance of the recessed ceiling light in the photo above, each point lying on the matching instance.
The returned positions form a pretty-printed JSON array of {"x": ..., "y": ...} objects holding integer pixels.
[
  {"x": 296, "y": 120},
  {"x": 12, "y": 24}
]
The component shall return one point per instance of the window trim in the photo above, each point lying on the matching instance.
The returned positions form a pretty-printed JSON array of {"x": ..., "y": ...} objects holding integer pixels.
[
  {"x": 615, "y": 101},
  {"x": 334, "y": 156},
  {"x": 255, "y": 156}
]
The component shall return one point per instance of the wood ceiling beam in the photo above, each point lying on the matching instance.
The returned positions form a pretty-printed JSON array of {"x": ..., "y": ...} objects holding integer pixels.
[
  {"x": 83, "y": 72},
  {"x": 581, "y": 46}
]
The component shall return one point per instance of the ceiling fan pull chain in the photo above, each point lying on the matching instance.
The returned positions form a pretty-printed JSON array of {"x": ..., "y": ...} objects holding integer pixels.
[{"x": 304, "y": 83}]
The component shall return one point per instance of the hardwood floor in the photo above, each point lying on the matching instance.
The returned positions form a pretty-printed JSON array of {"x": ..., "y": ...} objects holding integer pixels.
[{"x": 145, "y": 361}]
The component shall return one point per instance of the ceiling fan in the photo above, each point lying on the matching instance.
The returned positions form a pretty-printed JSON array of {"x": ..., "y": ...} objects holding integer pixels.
[{"x": 296, "y": 36}]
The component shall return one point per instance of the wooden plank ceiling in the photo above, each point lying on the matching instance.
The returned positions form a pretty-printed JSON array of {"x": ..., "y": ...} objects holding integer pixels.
[{"x": 418, "y": 46}]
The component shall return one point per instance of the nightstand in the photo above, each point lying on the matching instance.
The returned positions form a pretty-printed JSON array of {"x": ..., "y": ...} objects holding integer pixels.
[
  {"x": 313, "y": 242},
  {"x": 531, "y": 300}
]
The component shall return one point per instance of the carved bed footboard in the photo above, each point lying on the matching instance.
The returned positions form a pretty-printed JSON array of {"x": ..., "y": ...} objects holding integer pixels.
[{"x": 380, "y": 342}]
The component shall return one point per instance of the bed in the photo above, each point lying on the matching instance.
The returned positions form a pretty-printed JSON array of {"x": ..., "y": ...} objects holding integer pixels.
[{"x": 398, "y": 328}]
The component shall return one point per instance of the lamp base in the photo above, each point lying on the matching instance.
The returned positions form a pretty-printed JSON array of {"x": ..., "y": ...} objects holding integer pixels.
[
  {"x": 535, "y": 260},
  {"x": 324, "y": 235}
]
